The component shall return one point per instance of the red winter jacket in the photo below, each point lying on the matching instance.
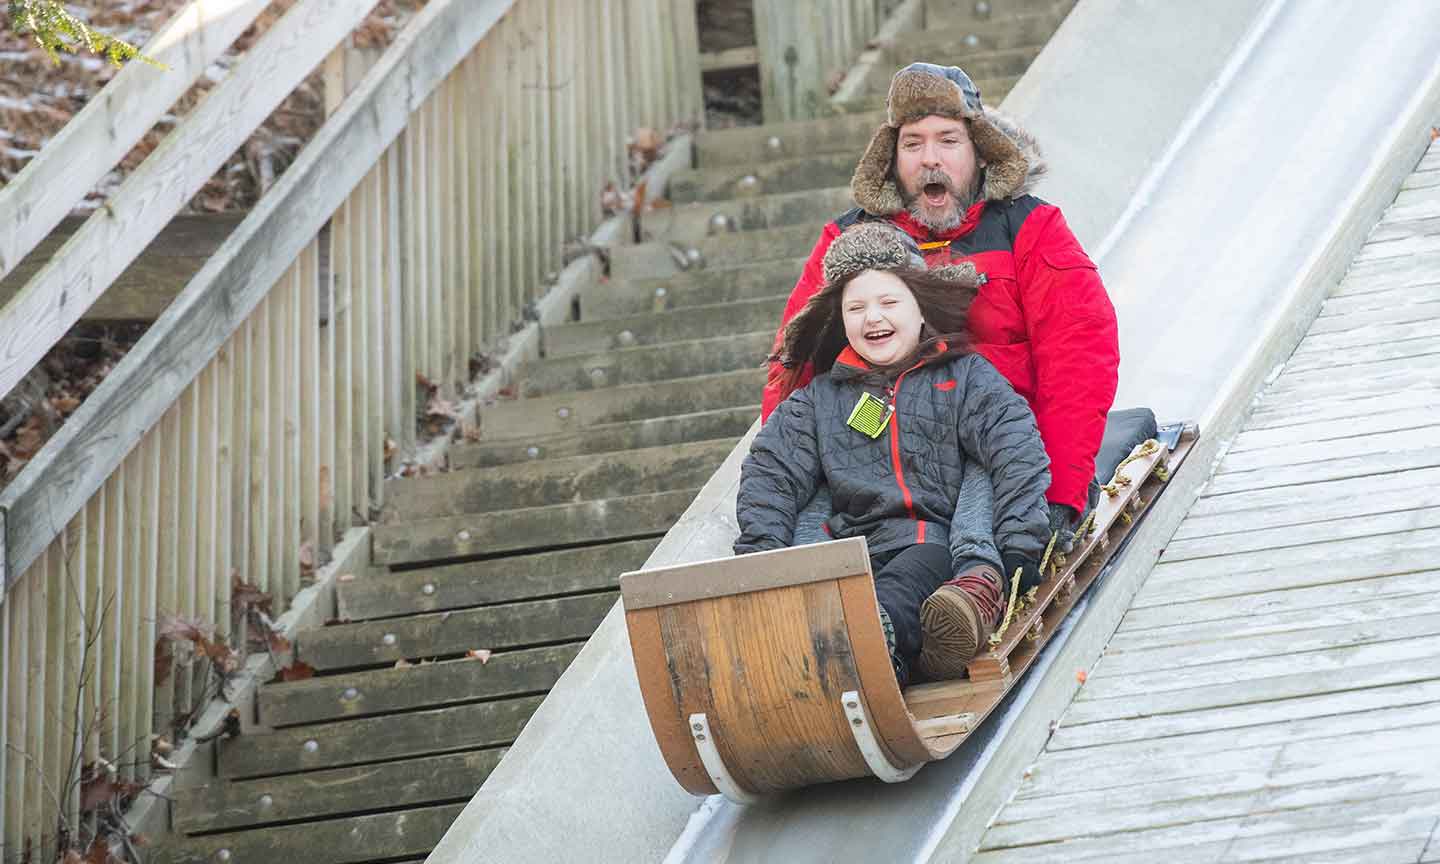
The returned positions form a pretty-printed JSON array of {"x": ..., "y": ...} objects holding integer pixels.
[{"x": 1042, "y": 317}]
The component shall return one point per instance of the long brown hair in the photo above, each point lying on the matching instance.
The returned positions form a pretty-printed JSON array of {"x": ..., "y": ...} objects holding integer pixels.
[{"x": 816, "y": 335}]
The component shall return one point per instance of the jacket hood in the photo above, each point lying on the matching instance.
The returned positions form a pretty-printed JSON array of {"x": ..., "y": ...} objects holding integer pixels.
[{"x": 1011, "y": 155}]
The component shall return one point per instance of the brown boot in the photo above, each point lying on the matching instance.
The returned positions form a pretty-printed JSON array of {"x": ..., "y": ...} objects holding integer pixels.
[{"x": 956, "y": 622}]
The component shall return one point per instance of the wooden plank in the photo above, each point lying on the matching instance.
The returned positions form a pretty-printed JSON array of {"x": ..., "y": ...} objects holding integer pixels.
[
  {"x": 454, "y": 633},
  {"x": 724, "y": 660},
  {"x": 52, "y": 301},
  {"x": 1357, "y": 552},
  {"x": 378, "y": 691},
  {"x": 1276, "y": 599},
  {"x": 1332, "y": 530},
  {"x": 17, "y": 714},
  {"x": 1210, "y": 756},
  {"x": 1338, "y": 570},
  {"x": 1317, "y": 663},
  {"x": 381, "y": 836},
  {"x": 1320, "y": 638},
  {"x": 1201, "y": 633},
  {"x": 1409, "y": 496},
  {"x": 1409, "y": 671},
  {"x": 760, "y": 571},
  {"x": 493, "y": 580},
  {"x": 1366, "y": 794},
  {"x": 342, "y": 312},
  {"x": 133, "y": 677},
  {"x": 261, "y": 408},
  {"x": 135, "y": 394},
  {"x": 1308, "y": 495},
  {"x": 1376, "y": 466},
  {"x": 532, "y": 528},
  {"x": 336, "y": 792},
  {"x": 662, "y": 706},
  {"x": 1173, "y": 778},
  {"x": 167, "y": 594},
  {"x": 1386, "y": 421},
  {"x": 74, "y": 160},
  {"x": 292, "y": 438},
  {"x": 114, "y": 600},
  {"x": 1418, "y": 348},
  {"x": 1319, "y": 409},
  {"x": 372, "y": 739},
  {"x": 540, "y": 483},
  {"x": 730, "y": 58},
  {"x": 1405, "y": 815}
]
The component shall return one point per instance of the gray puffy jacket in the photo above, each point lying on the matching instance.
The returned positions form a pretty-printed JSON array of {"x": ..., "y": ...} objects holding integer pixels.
[{"x": 952, "y": 418}]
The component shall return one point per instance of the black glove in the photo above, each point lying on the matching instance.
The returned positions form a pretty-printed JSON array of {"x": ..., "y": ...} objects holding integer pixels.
[
  {"x": 1029, "y": 570},
  {"x": 1063, "y": 522}
]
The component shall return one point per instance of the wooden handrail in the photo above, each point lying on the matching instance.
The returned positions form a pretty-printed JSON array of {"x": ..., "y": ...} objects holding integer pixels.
[
  {"x": 87, "y": 449},
  {"x": 55, "y": 298},
  {"x": 56, "y": 180}
]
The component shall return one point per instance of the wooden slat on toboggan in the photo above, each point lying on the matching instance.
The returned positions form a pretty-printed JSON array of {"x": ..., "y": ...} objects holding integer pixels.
[{"x": 766, "y": 645}]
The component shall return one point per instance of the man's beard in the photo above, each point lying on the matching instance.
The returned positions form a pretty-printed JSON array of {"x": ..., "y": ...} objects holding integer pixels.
[{"x": 940, "y": 220}]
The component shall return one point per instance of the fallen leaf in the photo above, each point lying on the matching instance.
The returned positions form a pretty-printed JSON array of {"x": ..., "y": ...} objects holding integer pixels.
[
  {"x": 297, "y": 671},
  {"x": 1434, "y": 132},
  {"x": 481, "y": 654},
  {"x": 307, "y": 558},
  {"x": 345, "y": 577},
  {"x": 402, "y": 663},
  {"x": 390, "y": 448},
  {"x": 470, "y": 431},
  {"x": 245, "y": 595},
  {"x": 278, "y": 644},
  {"x": 1081, "y": 675}
]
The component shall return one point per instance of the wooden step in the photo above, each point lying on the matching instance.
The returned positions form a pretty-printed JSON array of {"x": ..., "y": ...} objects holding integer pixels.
[
  {"x": 992, "y": 92},
  {"x": 752, "y": 145},
  {"x": 493, "y": 580},
  {"x": 648, "y": 363},
  {"x": 528, "y": 419},
  {"x": 543, "y": 483},
  {"x": 693, "y": 223},
  {"x": 957, "y": 41},
  {"x": 375, "y": 837},
  {"x": 376, "y": 739},
  {"x": 229, "y": 804},
  {"x": 657, "y": 259},
  {"x": 381, "y": 691},
  {"x": 453, "y": 633},
  {"x": 715, "y": 284},
  {"x": 953, "y": 13},
  {"x": 1002, "y": 63},
  {"x": 682, "y": 325},
  {"x": 530, "y": 529},
  {"x": 771, "y": 176},
  {"x": 610, "y": 437}
]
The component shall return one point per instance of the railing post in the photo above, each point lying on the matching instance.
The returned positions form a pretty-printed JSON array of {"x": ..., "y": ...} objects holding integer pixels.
[{"x": 790, "y": 36}]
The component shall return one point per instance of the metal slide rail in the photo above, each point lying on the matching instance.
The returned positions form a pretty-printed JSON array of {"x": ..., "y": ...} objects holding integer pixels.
[{"x": 256, "y": 415}]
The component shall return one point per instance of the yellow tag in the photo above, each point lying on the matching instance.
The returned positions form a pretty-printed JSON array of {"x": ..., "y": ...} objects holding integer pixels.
[{"x": 870, "y": 415}]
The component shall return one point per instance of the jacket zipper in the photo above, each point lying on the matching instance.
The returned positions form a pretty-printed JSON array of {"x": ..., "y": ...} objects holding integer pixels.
[{"x": 894, "y": 392}]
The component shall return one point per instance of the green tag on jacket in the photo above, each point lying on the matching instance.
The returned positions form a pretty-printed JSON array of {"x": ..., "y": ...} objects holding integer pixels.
[{"x": 870, "y": 415}]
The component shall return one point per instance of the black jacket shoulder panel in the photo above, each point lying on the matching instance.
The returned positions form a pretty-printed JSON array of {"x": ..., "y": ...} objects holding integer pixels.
[
  {"x": 999, "y": 224},
  {"x": 854, "y": 216}
]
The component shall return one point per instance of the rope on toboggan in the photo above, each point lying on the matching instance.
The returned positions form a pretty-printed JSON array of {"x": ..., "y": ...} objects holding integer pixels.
[{"x": 1117, "y": 482}]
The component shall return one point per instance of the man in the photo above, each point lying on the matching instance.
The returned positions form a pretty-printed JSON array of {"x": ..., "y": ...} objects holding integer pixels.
[{"x": 954, "y": 176}]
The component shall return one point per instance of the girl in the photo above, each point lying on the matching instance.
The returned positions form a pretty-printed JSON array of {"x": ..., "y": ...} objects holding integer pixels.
[{"x": 911, "y": 431}]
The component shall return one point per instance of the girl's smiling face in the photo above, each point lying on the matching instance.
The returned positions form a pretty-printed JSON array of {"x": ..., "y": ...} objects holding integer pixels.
[{"x": 882, "y": 320}]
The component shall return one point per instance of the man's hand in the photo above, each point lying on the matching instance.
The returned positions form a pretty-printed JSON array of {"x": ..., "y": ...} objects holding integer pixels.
[
  {"x": 1028, "y": 569},
  {"x": 1063, "y": 522}
]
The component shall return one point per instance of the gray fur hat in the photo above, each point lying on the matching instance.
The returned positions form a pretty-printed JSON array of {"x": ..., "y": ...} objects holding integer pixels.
[
  {"x": 1010, "y": 156},
  {"x": 882, "y": 246}
]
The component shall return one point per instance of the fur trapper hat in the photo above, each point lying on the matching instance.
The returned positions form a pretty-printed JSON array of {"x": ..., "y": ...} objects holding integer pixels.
[
  {"x": 1009, "y": 156},
  {"x": 882, "y": 246}
]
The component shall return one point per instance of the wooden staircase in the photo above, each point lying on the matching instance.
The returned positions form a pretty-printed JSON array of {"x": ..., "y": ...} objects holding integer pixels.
[{"x": 488, "y": 578}]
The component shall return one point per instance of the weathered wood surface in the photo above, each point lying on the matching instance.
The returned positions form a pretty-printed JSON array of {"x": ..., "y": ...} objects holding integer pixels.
[
  {"x": 1274, "y": 690},
  {"x": 216, "y": 302},
  {"x": 54, "y": 298},
  {"x": 476, "y": 583},
  {"x": 456, "y": 632},
  {"x": 335, "y": 792},
  {"x": 148, "y": 285},
  {"x": 87, "y": 147},
  {"x": 372, "y": 739},
  {"x": 381, "y": 836}
]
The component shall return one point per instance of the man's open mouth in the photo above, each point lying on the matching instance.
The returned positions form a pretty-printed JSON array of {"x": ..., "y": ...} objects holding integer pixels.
[{"x": 936, "y": 194}]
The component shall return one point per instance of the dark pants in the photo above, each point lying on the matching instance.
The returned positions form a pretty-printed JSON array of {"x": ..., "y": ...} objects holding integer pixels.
[{"x": 903, "y": 580}]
